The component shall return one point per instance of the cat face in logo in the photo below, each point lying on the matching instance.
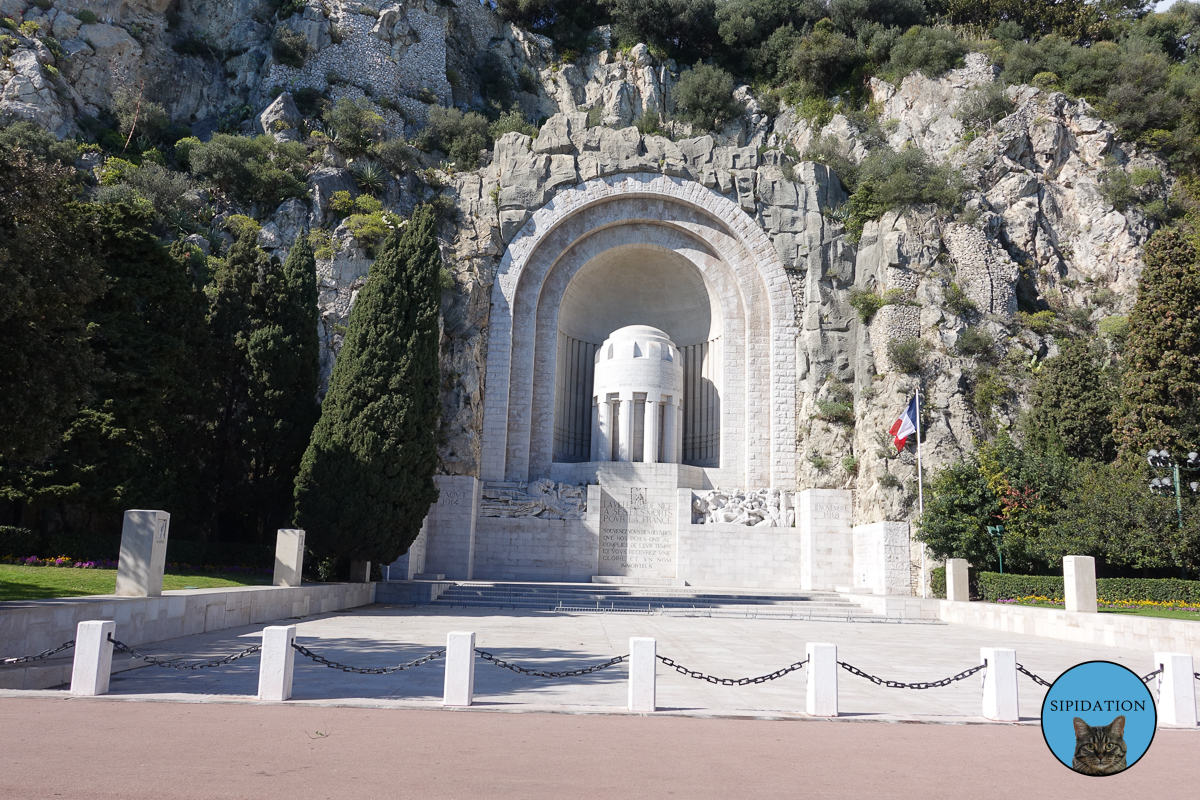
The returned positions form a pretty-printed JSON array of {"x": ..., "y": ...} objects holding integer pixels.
[{"x": 1099, "y": 750}]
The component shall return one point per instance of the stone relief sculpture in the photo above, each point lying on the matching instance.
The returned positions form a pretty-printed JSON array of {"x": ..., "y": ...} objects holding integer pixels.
[
  {"x": 543, "y": 499},
  {"x": 751, "y": 507}
]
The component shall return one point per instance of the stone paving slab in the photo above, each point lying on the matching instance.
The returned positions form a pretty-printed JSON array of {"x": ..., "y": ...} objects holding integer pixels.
[{"x": 383, "y": 636}]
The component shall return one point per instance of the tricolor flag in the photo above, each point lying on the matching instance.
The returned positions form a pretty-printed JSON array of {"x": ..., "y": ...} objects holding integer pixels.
[{"x": 907, "y": 424}]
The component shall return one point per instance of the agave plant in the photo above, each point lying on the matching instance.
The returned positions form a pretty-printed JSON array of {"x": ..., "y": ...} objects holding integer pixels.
[{"x": 370, "y": 176}]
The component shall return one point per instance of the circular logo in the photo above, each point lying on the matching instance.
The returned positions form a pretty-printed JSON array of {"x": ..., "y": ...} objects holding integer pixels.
[{"x": 1098, "y": 718}]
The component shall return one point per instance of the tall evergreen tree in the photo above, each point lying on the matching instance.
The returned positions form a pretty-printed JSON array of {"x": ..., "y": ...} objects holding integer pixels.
[
  {"x": 1160, "y": 403},
  {"x": 1072, "y": 400},
  {"x": 263, "y": 322},
  {"x": 366, "y": 482}
]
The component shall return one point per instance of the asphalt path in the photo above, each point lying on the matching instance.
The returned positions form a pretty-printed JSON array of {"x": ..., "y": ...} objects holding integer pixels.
[{"x": 106, "y": 748}]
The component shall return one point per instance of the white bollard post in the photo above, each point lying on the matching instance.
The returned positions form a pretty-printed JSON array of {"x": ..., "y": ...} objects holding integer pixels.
[
  {"x": 956, "y": 580},
  {"x": 1000, "y": 684},
  {"x": 459, "y": 688},
  {"x": 277, "y": 663},
  {"x": 93, "y": 658},
  {"x": 1176, "y": 689},
  {"x": 821, "y": 695},
  {"x": 643, "y": 674},
  {"x": 289, "y": 557},
  {"x": 1079, "y": 582}
]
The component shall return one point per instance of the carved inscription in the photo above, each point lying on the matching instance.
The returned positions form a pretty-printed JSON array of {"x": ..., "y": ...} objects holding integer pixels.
[
  {"x": 637, "y": 535},
  {"x": 830, "y": 511},
  {"x": 450, "y": 498}
]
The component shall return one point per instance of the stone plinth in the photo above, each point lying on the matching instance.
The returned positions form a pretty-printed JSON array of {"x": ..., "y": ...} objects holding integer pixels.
[
  {"x": 957, "y": 588},
  {"x": 881, "y": 558},
  {"x": 93, "y": 658},
  {"x": 277, "y": 663},
  {"x": 450, "y": 528},
  {"x": 1000, "y": 684},
  {"x": 1079, "y": 583},
  {"x": 143, "y": 553},
  {"x": 289, "y": 557},
  {"x": 821, "y": 694},
  {"x": 826, "y": 542},
  {"x": 643, "y": 664}
]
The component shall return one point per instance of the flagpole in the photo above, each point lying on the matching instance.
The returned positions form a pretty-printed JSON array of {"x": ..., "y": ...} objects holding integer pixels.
[{"x": 921, "y": 496}]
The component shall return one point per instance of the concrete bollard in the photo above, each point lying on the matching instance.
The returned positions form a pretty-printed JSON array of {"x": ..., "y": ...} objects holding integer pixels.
[
  {"x": 459, "y": 688},
  {"x": 1079, "y": 581},
  {"x": 143, "y": 553},
  {"x": 289, "y": 557},
  {"x": 1176, "y": 689},
  {"x": 821, "y": 695},
  {"x": 93, "y": 657},
  {"x": 956, "y": 580},
  {"x": 277, "y": 663},
  {"x": 1000, "y": 684},
  {"x": 643, "y": 674},
  {"x": 360, "y": 571}
]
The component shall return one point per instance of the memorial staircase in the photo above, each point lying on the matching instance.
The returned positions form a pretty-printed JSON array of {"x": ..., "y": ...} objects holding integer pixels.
[{"x": 583, "y": 598}]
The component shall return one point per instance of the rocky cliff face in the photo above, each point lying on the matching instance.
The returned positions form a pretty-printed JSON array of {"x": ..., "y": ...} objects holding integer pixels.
[{"x": 1038, "y": 229}]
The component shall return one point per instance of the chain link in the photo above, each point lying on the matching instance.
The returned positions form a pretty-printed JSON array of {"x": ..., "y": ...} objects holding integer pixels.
[
  {"x": 571, "y": 673},
  {"x": 42, "y": 655},
  {"x": 304, "y": 651},
  {"x": 898, "y": 685},
  {"x": 700, "y": 676},
  {"x": 1036, "y": 679},
  {"x": 1146, "y": 678},
  {"x": 212, "y": 662}
]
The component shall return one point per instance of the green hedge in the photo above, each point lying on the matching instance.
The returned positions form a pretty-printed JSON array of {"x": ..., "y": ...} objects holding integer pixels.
[
  {"x": 937, "y": 582},
  {"x": 992, "y": 587},
  {"x": 22, "y": 542}
]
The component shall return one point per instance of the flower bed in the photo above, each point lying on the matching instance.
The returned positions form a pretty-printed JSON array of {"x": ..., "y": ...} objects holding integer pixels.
[{"x": 104, "y": 563}]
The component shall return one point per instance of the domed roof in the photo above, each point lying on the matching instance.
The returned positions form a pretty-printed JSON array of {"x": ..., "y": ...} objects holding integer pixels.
[{"x": 639, "y": 333}]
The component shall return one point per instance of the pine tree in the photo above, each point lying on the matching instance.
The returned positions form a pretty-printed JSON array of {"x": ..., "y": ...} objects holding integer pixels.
[
  {"x": 1072, "y": 400},
  {"x": 366, "y": 482},
  {"x": 1160, "y": 403}
]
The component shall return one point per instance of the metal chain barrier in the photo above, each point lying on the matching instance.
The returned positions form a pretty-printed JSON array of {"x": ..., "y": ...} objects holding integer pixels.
[
  {"x": 42, "y": 655},
  {"x": 700, "y": 676},
  {"x": 212, "y": 662},
  {"x": 1036, "y": 679},
  {"x": 1146, "y": 678},
  {"x": 571, "y": 673},
  {"x": 898, "y": 685},
  {"x": 304, "y": 651}
]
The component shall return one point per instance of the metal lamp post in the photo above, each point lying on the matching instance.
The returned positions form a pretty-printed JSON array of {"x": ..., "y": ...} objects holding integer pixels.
[
  {"x": 997, "y": 531},
  {"x": 1161, "y": 459}
]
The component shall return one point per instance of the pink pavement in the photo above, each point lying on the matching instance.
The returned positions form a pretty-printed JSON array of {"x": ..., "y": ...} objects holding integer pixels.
[{"x": 97, "y": 749}]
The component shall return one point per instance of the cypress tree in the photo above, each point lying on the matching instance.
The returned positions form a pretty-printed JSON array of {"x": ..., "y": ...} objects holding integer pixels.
[
  {"x": 1073, "y": 397},
  {"x": 1160, "y": 403},
  {"x": 366, "y": 482}
]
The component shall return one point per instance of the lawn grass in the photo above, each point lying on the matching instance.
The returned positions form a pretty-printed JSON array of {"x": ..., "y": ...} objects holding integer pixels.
[
  {"x": 38, "y": 583},
  {"x": 1167, "y": 613}
]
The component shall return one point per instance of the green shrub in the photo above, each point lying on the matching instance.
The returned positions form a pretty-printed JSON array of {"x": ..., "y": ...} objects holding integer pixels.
[
  {"x": 87, "y": 17},
  {"x": 395, "y": 154},
  {"x": 988, "y": 390},
  {"x": 239, "y": 224},
  {"x": 371, "y": 229},
  {"x": 355, "y": 124},
  {"x": 1041, "y": 322},
  {"x": 595, "y": 116},
  {"x": 370, "y": 176},
  {"x": 509, "y": 122},
  {"x": 342, "y": 204},
  {"x": 1046, "y": 81},
  {"x": 824, "y": 60},
  {"x": 8, "y": 45},
  {"x": 937, "y": 582},
  {"x": 251, "y": 169},
  {"x": 289, "y": 46},
  {"x": 1115, "y": 329},
  {"x": 460, "y": 136},
  {"x": 867, "y": 303},
  {"x": 833, "y": 153},
  {"x": 134, "y": 110},
  {"x": 183, "y": 150},
  {"x": 889, "y": 481},
  {"x": 957, "y": 301},
  {"x": 993, "y": 587},
  {"x": 649, "y": 123},
  {"x": 933, "y": 51},
  {"x": 850, "y": 464},
  {"x": 907, "y": 355},
  {"x": 892, "y": 179},
  {"x": 834, "y": 411},
  {"x": 984, "y": 106},
  {"x": 704, "y": 97},
  {"x": 36, "y": 139},
  {"x": 975, "y": 342}
]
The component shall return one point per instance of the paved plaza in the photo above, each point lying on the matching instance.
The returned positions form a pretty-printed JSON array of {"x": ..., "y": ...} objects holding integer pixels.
[{"x": 378, "y": 636}]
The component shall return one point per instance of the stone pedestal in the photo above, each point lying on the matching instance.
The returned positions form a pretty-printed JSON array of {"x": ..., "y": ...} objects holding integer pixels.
[
  {"x": 360, "y": 571},
  {"x": 881, "y": 561},
  {"x": 1000, "y": 684},
  {"x": 821, "y": 694},
  {"x": 1176, "y": 689},
  {"x": 143, "y": 553},
  {"x": 93, "y": 658},
  {"x": 289, "y": 557},
  {"x": 459, "y": 686},
  {"x": 826, "y": 541},
  {"x": 957, "y": 588},
  {"x": 642, "y": 674},
  {"x": 1079, "y": 583},
  {"x": 277, "y": 663}
]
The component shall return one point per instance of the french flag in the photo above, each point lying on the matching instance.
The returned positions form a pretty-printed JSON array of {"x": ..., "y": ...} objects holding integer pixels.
[{"x": 906, "y": 425}]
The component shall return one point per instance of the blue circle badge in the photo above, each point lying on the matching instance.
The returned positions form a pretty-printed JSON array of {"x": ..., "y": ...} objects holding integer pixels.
[{"x": 1098, "y": 718}]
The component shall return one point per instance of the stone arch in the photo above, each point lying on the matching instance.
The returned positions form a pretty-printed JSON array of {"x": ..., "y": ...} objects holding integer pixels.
[{"x": 718, "y": 238}]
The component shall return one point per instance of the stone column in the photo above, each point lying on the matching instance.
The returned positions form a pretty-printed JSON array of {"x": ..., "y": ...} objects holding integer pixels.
[
  {"x": 678, "y": 430},
  {"x": 604, "y": 423},
  {"x": 595, "y": 450},
  {"x": 668, "y": 434},
  {"x": 1000, "y": 684},
  {"x": 625, "y": 431},
  {"x": 289, "y": 557},
  {"x": 1079, "y": 582},
  {"x": 650, "y": 433},
  {"x": 277, "y": 663},
  {"x": 93, "y": 657},
  {"x": 957, "y": 588},
  {"x": 1176, "y": 689},
  {"x": 821, "y": 693},
  {"x": 642, "y": 664},
  {"x": 143, "y": 553}
]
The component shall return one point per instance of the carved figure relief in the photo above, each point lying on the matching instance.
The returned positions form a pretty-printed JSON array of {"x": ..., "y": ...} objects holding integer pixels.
[
  {"x": 543, "y": 499},
  {"x": 751, "y": 507}
]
